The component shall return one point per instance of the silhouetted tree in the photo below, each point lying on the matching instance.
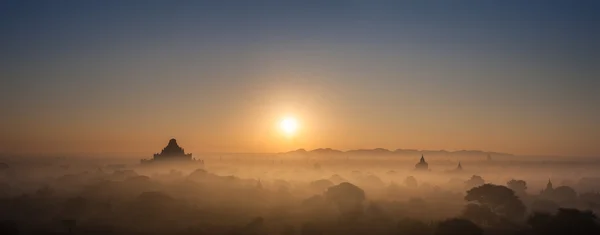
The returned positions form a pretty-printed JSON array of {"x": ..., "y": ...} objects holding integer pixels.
[
  {"x": 310, "y": 229},
  {"x": 519, "y": 186},
  {"x": 474, "y": 181},
  {"x": 590, "y": 200},
  {"x": 321, "y": 184},
  {"x": 480, "y": 214},
  {"x": 410, "y": 182},
  {"x": 377, "y": 212},
  {"x": 280, "y": 183},
  {"x": 316, "y": 201},
  {"x": 70, "y": 225},
  {"x": 457, "y": 227},
  {"x": 545, "y": 206},
  {"x": 413, "y": 227},
  {"x": 566, "y": 221},
  {"x": 348, "y": 198},
  {"x": 152, "y": 204},
  {"x": 417, "y": 202},
  {"x": 288, "y": 230},
  {"x": 372, "y": 181},
  {"x": 154, "y": 197},
  {"x": 8, "y": 227},
  {"x": 255, "y": 227},
  {"x": 499, "y": 199},
  {"x": 75, "y": 207},
  {"x": 336, "y": 179},
  {"x": 198, "y": 174},
  {"x": 123, "y": 174},
  {"x": 564, "y": 194},
  {"x": 539, "y": 220}
]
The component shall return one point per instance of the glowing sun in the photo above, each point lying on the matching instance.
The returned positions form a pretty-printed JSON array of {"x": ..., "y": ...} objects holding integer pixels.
[{"x": 288, "y": 125}]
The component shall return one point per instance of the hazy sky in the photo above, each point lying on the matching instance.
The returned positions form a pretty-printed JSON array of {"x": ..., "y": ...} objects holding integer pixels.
[{"x": 125, "y": 76}]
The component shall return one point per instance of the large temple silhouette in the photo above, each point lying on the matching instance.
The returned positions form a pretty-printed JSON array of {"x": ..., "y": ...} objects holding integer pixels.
[{"x": 172, "y": 152}]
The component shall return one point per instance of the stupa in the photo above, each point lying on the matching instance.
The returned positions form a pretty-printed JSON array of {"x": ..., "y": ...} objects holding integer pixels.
[
  {"x": 549, "y": 189},
  {"x": 456, "y": 170},
  {"x": 422, "y": 165}
]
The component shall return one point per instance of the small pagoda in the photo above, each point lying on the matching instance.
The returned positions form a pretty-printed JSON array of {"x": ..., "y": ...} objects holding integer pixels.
[
  {"x": 422, "y": 165},
  {"x": 456, "y": 170},
  {"x": 548, "y": 190},
  {"x": 172, "y": 152}
]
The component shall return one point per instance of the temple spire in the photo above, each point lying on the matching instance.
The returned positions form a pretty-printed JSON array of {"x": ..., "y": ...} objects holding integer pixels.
[
  {"x": 549, "y": 185},
  {"x": 422, "y": 165}
]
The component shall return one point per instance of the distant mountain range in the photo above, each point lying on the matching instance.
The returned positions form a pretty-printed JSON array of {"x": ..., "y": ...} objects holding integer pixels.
[{"x": 382, "y": 151}]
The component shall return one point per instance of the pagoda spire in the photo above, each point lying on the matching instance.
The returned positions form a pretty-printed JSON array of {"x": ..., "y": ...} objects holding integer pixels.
[
  {"x": 422, "y": 165},
  {"x": 549, "y": 185}
]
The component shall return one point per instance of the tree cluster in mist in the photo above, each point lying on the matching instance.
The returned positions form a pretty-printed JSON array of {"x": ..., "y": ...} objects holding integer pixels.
[{"x": 298, "y": 195}]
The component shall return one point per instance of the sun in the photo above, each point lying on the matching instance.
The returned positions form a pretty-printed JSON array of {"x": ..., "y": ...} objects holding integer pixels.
[{"x": 288, "y": 125}]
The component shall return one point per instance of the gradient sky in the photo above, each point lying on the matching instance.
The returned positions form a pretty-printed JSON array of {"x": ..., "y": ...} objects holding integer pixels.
[{"x": 125, "y": 76}]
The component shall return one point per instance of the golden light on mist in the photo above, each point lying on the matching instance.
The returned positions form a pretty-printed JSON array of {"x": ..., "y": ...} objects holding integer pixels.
[{"x": 289, "y": 126}]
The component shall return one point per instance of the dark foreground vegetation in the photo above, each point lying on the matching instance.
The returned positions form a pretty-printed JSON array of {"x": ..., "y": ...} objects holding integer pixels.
[{"x": 226, "y": 199}]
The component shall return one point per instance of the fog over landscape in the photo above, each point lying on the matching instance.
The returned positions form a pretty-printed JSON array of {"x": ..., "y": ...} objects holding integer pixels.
[{"x": 322, "y": 191}]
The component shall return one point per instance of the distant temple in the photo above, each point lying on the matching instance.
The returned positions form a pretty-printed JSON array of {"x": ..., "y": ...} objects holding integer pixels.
[
  {"x": 549, "y": 189},
  {"x": 422, "y": 165},
  {"x": 458, "y": 169},
  {"x": 172, "y": 152}
]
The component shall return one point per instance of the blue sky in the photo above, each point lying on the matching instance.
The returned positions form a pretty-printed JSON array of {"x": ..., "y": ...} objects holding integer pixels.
[{"x": 524, "y": 71}]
